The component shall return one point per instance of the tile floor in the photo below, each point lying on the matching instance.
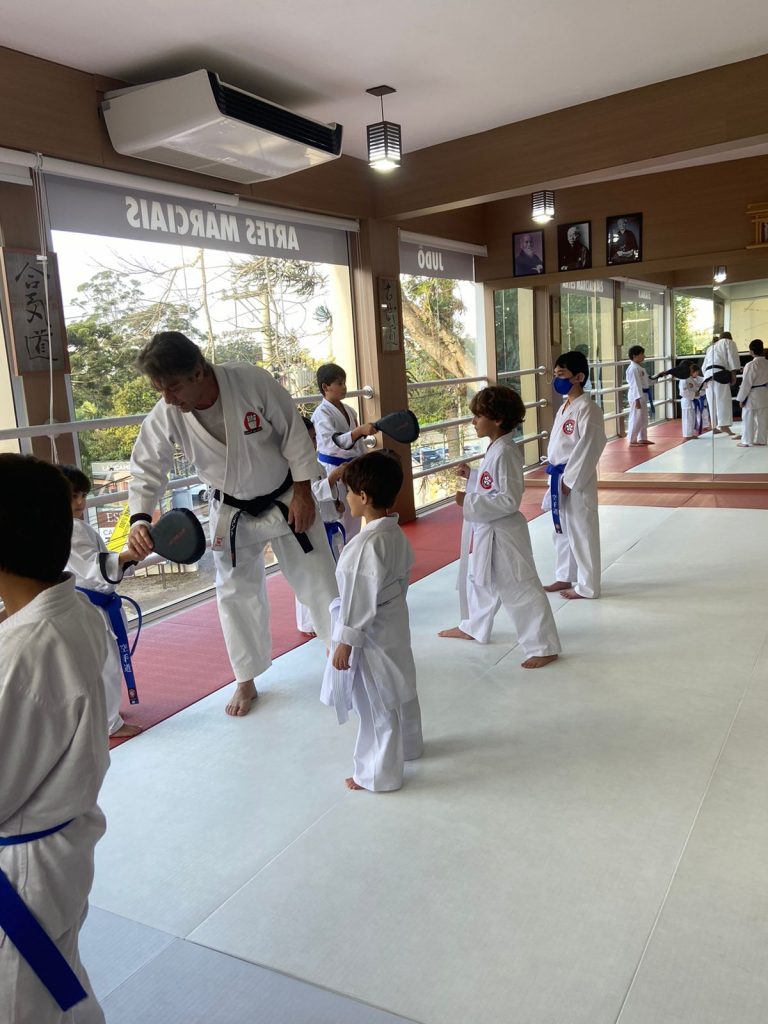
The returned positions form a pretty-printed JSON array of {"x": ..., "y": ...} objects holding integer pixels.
[{"x": 580, "y": 845}]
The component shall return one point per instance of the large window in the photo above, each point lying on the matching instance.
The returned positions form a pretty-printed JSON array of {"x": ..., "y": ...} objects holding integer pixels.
[
  {"x": 443, "y": 348},
  {"x": 244, "y": 288},
  {"x": 516, "y": 357},
  {"x": 642, "y": 320}
]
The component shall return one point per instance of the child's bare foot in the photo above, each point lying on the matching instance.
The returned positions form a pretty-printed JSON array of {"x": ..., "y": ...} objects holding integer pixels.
[
  {"x": 351, "y": 784},
  {"x": 308, "y": 632},
  {"x": 538, "y": 662},
  {"x": 571, "y": 595},
  {"x": 635, "y": 444},
  {"x": 125, "y": 732},
  {"x": 245, "y": 694},
  {"x": 647, "y": 442},
  {"x": 742, "y": 445},
  {"x": 552, "y": 588},
  {"x": 455, "y": 634}
]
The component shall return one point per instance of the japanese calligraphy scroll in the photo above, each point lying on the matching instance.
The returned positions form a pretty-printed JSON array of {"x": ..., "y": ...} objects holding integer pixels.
[{"x": 27, "y": 315}]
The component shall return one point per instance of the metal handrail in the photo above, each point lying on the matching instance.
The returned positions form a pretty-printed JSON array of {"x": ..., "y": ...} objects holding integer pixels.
[
  {"x": 439, "y": 424},
  {"x": 521, "y": 373},
  {"x": 81, "y": 426},
  {"x": 417, "y": 384},
  {"x": 114, "y": 497},
  {"x": 603, "y": 391},
  {"x": 472, "y": 458}
]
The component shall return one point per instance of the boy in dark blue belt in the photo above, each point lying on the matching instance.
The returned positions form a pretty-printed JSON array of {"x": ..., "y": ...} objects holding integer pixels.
[{"x": 53, "y": 752}]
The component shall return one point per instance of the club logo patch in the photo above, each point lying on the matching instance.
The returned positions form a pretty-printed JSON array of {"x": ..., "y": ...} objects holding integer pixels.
[
  {"x": 569, "y": 426},
  {"x": 251, "y": 423},
  {"x": 486, "y": 481}
]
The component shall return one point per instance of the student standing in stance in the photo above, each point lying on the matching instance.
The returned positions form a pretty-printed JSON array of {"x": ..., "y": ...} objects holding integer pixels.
[
  {"x": 53, "y": 752},
  {"x": 501, "y": 568},
  {"x": 371, "y": 669},
  {"x": 639, "y": 392},
  {"x": 753, "y": 398},
  {"x": 575, "y": 446}
]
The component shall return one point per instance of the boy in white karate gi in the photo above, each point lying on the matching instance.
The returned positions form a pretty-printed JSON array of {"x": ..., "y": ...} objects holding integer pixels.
[
  {"x": 501, "y": 566},
  {"x": 753, "y": 398},
  {"x": 96, "y": 568},
  {"x": 576, "y": 443},
  {"x": 53, "y": 752},
  {"x": 692, "y": 402},
  {"x": 339, "y": 436},
  {"x": 639, "y": 392},
  {"x": 325, "y": 490},
  {"x": 371, "y": 669}
]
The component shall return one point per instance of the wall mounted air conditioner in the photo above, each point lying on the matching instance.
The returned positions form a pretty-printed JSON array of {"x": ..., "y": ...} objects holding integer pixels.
[{"x": 199, "y": 123}]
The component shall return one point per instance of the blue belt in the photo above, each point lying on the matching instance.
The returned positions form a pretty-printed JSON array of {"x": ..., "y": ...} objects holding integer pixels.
[
  {"x": 698, "y": 416},
  {"x": 555, "y": 473},
  {"x": 334, "y": 528},
  {"x": 649, "y": 392},
  {"x": 31, "y": 939},
  {"x": 111, "y": 603},
  {"x": 333, "y": 460}
]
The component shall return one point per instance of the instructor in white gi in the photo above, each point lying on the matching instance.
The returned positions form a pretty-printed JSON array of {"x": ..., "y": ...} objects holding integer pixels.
[
  {"x": 722, "y": 354},
  {"x": 247, "y": 441}
]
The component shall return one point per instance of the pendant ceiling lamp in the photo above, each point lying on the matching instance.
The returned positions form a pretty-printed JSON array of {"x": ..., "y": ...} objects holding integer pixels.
[
  {"x": 542, "y": 206},
  {"x": 384, "y": 137}
]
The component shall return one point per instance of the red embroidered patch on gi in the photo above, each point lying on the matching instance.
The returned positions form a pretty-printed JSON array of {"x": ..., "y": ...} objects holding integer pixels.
[
  {"x": 569, "y": 426},
  {"x": 486, "y": 481},
  {"x": 251, "y": 423}
]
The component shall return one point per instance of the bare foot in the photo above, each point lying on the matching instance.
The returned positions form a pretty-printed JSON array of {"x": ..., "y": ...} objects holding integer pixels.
[
  {"x": 455, "y": 634},
  {"x": 351, "y": 784},
  {"x": 308, "y": 632},
  {"x": 571, "y": 595},
  {"x": 125, "y": 732},
  {"x": 635, "y": 444},
  {"x": 245, "y": 694},
  {"x": 552, "y": 588},
  {"x": 538, "y": 662},
  {"x": 742, "y": 445},
  {"x": 725, "y": 430},
  {"x": 647, "y": 442},
  {"x": 717, "y": 430}
]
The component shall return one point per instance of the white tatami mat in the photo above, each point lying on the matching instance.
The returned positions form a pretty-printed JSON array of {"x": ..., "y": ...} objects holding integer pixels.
[
  {"x": 716, "y": 454},
  {"x": 537, "y": 865}
]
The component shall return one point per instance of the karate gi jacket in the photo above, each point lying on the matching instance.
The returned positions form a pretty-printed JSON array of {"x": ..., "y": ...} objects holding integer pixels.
[
  {"x": 333, "y": 432},
  {"x": 752, "y": 389},
  {"x": 638, "y": 380},
  {"x": 577, "y": 439}
]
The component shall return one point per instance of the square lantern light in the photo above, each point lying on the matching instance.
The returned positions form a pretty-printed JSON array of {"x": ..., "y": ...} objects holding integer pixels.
[
  {"x": 384, "y": 137},
  {"x": 542, "y": 206}
]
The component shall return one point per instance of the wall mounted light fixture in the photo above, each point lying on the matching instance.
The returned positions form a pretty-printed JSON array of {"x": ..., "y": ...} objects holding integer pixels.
[{"x": 542, "y": 206}]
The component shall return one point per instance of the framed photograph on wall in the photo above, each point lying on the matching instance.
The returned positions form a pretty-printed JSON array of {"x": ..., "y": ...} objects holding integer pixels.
[
  {"x": 528, "y": 253},
  {"x": 574, "y": 245},
  {"x": 624, "y": 239},
  {"x": 389, "y": 315}
]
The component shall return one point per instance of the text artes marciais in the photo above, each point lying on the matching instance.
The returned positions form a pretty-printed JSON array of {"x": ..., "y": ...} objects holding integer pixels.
[{"x": 216, "y": 225}]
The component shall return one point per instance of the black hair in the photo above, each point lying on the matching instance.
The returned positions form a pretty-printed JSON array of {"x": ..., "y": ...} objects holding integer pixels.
[
  {"x": 78, "y": 480},
  {"x": 377, "y": 473},
  {"x": 500, "y": 404},
  {"x": 726, "y": 334},
  {"x": 171, "y": 354},
  {"x": 308, "y": 423},
  {"x": 575, "y": 362},
  {"x": 635, "y": 350},
  {"x": 756, "y": 346},
  {"x": 35, "y": 518},
  {"x": 329, "y": 373}
]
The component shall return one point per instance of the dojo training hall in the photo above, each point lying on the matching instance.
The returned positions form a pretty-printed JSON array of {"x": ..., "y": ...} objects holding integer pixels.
[{"x": 584, "y": 844}]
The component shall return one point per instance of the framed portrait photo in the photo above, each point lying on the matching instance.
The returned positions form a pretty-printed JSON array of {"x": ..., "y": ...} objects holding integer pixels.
[
  {"x": 528, "y": 253},
  {"x": 624, "y": 239},
  {"x": 574, "y": 245}
]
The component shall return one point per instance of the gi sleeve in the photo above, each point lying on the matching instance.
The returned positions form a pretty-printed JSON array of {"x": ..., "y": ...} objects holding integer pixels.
[
  {"x": 633, "y": 378},
  {"x": 90, "y": 561},
  {"x": 503, "y": 499},
  {"x": 732, "y": 359},
  {"x": 282, "y": 414},
  {"x": 359, "y": 587},
  {"x": 151, "y": 462},
  {"x": 583, "y": 460},
  {"x": 746, "y": 383},
  {"x": 32, "y": 738},
  {"x": 323, "y": 490}
]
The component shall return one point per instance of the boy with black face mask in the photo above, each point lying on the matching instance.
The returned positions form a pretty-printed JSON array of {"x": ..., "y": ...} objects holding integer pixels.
[{"x": 575, "y": 446}]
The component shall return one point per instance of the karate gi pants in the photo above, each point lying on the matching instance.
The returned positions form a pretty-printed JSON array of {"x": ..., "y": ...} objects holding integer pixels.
[
  {"x": 577, "y": 548},
  {"x": 754, "y": 425},
  {"x": 689, "y": 420},
  {"x": 114, "y": 681},
  {"x": 25, "y": 1000},
  {"x": 527, "y": 606},
  {"x": 241, "y": 595},
  {"x": 637, "y": 428},
  {"x": 385, "y": 738},
  {"x": 720, "y": 404}
]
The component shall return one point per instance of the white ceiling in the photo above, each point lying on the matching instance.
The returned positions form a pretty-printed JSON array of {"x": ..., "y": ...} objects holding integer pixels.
[{"x": 459, "y": 67}]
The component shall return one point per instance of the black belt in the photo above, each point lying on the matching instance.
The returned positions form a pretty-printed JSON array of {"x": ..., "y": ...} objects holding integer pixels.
[{"x": 255, "y": 507}]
